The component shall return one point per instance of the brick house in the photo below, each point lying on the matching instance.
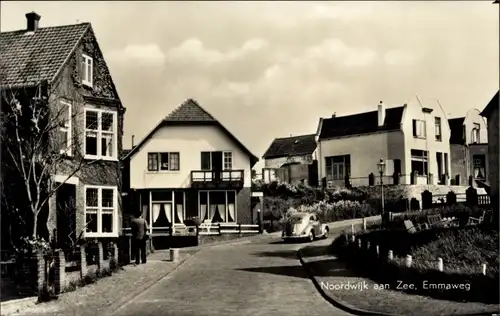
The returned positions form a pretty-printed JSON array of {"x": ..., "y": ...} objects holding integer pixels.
[
  {"x": 189, "y": 166},
  {"x": 411, "y": 139},
  {"x": 295, "y": 156},
  {"x": 491, "y": 114},
  {"x": 469, "y": 149},
  {"x": 67, "y": 61}
]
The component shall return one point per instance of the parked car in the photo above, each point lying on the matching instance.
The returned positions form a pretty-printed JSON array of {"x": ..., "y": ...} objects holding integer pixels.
[{"x": 304, "y": 226}]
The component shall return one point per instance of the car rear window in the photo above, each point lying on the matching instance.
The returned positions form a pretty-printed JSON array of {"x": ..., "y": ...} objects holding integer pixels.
[{"x": 295, "y": 220}]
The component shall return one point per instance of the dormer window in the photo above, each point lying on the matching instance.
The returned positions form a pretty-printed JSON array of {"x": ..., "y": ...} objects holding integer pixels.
[{"x": 87, "y": 70}]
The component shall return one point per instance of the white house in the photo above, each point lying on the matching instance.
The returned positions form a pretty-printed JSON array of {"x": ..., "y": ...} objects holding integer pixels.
[
  {"x": 188, "y": 166},
  {"x": 412, "y": 140}
]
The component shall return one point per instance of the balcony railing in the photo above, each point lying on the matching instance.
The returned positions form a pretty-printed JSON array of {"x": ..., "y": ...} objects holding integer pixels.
[{"x": 217, "y": 179}]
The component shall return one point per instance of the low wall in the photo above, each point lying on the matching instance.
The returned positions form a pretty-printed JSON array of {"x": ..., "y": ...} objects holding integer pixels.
[{"x": 207, "y": 239}]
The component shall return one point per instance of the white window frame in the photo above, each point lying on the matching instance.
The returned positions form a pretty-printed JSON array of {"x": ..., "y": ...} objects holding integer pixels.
[
  {"x": 438, "y": 128},
  {"x": 99, "y": 207},
  {"x": 421, "y": 129},
  {"x": 476, "y": 133},
  {"x": 226, "y": 205},
  {"x": 99, "y": 132},
  {"x": 230, "y": 158},
  {"x": 87, "y": 78},
  {"x": 159, "y": 162},
  {"x": 68, "y": 128}
]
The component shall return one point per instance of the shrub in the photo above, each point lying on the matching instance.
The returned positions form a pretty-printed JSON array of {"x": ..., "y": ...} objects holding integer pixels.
[{"x": 340, "y": 210}]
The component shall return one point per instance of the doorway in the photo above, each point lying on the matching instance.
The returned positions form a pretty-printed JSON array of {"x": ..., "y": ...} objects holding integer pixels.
[{"x": 66, "y": 215}]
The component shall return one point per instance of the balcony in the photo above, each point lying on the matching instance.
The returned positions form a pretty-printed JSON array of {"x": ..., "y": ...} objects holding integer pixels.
[{"x": 217, "y": 179}]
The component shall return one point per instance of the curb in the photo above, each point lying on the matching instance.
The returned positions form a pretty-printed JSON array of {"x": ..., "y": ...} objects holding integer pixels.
[
  {"x": 114, "y": 308},
  {"x": 340, "y": 304}
]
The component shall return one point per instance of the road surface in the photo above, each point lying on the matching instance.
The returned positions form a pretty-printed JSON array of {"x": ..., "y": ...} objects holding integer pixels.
[{"x": 260, "y": 278}]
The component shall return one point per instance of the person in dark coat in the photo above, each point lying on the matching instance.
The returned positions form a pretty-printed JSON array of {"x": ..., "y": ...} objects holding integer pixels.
[{"x": 139, "y": 237}]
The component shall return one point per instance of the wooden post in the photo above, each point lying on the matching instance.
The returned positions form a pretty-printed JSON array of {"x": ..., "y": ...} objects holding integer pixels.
[
  {"x": 408, "y": 261},
  {"x": 483, "y": 268},
  {"x": 364, "y": 224},
  {"x": 440, "y": 264},
  {"x": 390, "y": 255},
  {"x": 378, "y": 250},
  {"x": 359, "y": 242},
  {"x": 352, "y": 229},
  {"x": 368, "y": 245},
  {"x": 353, "y": 238}
]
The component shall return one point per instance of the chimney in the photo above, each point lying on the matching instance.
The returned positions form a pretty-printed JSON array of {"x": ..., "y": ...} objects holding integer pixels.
[
  {"x": 32, "y": 18},
  {"x": 334, "y": 115},
  {"x": 381, "y": 114},
  {"x": 133, "y": 136}
]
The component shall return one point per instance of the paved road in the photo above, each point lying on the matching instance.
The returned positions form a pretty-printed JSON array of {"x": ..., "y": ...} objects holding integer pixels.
[{"x": 260, "y": 278}]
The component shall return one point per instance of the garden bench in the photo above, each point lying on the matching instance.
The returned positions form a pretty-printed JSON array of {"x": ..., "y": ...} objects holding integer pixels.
[
  {"x": 435, "y": 220},
  {"x": 476, "y": 220},
  {"x": 410, "y": 227}
]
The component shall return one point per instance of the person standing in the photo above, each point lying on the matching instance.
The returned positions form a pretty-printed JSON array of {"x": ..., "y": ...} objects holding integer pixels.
[{"x": 139, "y": 237}]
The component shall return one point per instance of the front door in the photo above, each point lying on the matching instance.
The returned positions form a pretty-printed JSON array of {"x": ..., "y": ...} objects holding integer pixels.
[
  {"x": 217, "y": 165},
  {"x": 66, "y": 215}
]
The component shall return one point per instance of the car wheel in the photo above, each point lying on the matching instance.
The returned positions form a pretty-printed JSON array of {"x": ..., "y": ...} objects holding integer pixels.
[
  {"x": 325, "y": 234},
  {"x": 311, "y": 236}
]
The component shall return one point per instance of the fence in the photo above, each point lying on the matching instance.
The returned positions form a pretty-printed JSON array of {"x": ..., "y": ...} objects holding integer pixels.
[
  {"x": 470, "y": 198},
  {"x": 202, "y": 229}
]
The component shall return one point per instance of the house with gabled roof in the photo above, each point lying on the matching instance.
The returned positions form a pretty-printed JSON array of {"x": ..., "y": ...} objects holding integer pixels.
[
  {"x": 189, "y": 166},
  {"x": 296, "y": 155},
  {"x": 469, "y": 149},
  {"x": 65, "y": 65},
  {"x": 411, "y": 139}
]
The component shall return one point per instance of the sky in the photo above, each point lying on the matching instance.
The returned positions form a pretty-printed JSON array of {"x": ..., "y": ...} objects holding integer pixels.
[{"x": 272, "y": 69}]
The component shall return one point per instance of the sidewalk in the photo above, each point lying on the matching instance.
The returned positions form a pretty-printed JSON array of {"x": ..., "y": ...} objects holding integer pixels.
[{"x": 107, "y": 294}]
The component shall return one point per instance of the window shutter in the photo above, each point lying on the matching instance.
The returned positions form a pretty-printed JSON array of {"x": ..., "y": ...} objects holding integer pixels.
[{"x": 415, "y": 128}]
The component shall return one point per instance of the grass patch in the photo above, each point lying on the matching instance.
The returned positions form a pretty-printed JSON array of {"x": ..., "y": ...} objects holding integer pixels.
[{"x": 463, "y": 252}]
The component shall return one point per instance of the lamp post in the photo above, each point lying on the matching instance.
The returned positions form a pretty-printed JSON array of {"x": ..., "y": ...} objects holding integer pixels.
[{"x": 381, "y": 170}]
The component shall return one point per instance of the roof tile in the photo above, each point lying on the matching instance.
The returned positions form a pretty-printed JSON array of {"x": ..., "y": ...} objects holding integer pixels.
[
  {"x": 362, "y": 123},
  {"x": 189, "y": 111},
  {"x": 291, "y": 146},
  {"x": 30, "y": 57}
]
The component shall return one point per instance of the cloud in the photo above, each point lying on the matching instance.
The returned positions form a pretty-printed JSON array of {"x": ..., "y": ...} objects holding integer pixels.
[
  {"x": 399, "y": 58},
  {"x": 193, "y": 50},
  {"x": 335, "y": 51},
  {"x": 145, "y": 55}
]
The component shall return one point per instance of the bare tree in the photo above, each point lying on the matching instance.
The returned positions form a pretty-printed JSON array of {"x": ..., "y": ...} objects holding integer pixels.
[{"x": 38, "y": 139}]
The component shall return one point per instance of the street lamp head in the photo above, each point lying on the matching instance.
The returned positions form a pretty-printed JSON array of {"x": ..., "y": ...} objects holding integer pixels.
[{"x": 381, "y": 166}]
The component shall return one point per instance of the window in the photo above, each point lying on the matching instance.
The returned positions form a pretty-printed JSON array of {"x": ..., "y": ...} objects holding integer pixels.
[
  {"x": 100, "y": 134},
  {"x": 65, "y": 132},
  {"x": 437, "y": 127},
  {"x": 152, "y": 161},
  {"x": 101, "y": 211},
  {"x": 218, "y": 206},
  {"x": 419, "y": 162},
  {"x": 475, "y": 133},
  {"x": 446, "y": 172},
  {"x": 419, "y": 128},
  {"x": 479, "y": 166},
  {"x": 228, "y": 160},
  {"x": 166, "y": 161},
  {"x": 216, "y": 160},
  {"x": 206, "y": 161},
  {"x": 337, "y": 167},
  {"x": 87, "y": 70}
]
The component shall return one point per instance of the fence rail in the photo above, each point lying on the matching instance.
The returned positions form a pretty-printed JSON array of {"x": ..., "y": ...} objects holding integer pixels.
[{"x": 202, "y": 229}]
